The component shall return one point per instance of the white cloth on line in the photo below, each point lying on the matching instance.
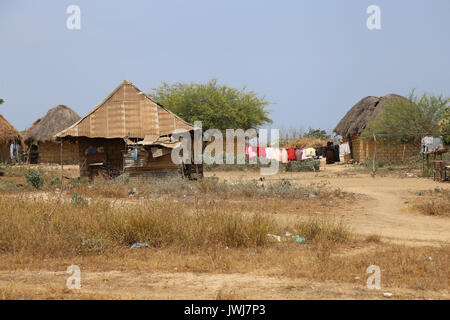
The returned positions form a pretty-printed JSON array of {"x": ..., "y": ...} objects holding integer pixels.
[{"x": 344, "y": 148}]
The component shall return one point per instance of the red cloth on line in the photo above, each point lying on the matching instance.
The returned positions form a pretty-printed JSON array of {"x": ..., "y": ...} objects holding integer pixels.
[
  {"x": 261, "y": 151},
  {"x": 291, "y": 154}
]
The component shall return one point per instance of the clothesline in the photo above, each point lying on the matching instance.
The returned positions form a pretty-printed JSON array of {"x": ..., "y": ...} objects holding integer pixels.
[{"x": 284, "y": 155}]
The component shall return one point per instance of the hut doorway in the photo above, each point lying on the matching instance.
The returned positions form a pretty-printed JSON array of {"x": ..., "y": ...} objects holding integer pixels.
[{"x": 34, "y": 154}]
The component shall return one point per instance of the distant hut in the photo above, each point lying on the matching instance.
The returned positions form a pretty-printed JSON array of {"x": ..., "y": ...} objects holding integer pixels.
[
  {"x": 41, "y": 146},
  {"x": 356, "y": 120},
  {"x": 128, "y": 133},
  {"x": 9, "y": 136}
]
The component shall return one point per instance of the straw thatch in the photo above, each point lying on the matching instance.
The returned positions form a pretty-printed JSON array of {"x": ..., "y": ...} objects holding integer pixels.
[
  {"x": 8, "y": 134},
  {"x": 367, "y": 109},
  {"x": 56, "y": 119},
  {"x": 305, "y": 142}
]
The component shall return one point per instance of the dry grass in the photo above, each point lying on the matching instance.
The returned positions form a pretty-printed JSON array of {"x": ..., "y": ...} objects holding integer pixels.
[
  {"x": 401, "y": 267},
  {"x": 433, "y": 202},
  {"x": 100, "y": 226}
]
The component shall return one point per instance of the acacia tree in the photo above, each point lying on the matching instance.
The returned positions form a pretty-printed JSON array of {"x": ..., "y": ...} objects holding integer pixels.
[
  {"x": 317, "y": 134},
  {"x": 1, "y": 101},
  {"x": 217, "y": 106},
  {"x": 408, "y": 120}
]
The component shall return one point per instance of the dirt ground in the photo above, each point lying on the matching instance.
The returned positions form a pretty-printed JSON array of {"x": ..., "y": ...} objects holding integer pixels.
[{"x": 384, "y": 212}]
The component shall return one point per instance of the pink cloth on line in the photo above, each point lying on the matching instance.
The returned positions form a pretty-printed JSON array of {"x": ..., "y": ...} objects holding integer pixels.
[
  {"x": 252, "y": 152},
  {"x": 304, "y": 156}
]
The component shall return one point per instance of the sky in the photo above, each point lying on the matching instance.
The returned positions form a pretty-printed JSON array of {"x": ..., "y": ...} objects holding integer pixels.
[{"x": 311, "y": 59}]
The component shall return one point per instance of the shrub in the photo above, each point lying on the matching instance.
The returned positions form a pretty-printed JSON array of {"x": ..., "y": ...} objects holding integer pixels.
[
  {"x": 306, "y": 165},
  {"x": 78, "y": 200},
  {"x": 35, "y": 179},
  {"x": 369, "y": 163},
  {"x": 53, "y": 181},
  {"x": 123, "y": 178}
]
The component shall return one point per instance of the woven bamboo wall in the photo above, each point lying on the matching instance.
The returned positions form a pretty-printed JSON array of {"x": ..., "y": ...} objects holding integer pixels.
[{"x": 49, "y": 152}]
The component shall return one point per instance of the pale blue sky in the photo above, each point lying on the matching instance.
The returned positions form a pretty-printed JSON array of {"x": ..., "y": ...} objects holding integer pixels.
[{"x": 312, "y": 59}]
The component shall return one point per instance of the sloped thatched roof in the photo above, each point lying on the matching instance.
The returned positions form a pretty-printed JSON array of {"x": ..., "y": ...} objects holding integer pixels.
[
  {"x": 126, "y": 112},
  {"x": 56, "y": 119},
  {"x": 8, "y": 133},
  {"x": 367, "y": 109}
]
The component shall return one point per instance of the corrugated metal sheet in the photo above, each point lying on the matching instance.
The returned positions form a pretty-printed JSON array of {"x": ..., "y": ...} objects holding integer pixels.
[{"x": 126, "y": 112}]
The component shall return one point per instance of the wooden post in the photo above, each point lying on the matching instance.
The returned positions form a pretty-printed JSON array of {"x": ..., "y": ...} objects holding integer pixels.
[
  {"x": 404, "y": 149},
  {"x": 62, "y": 167},
  {"x": 374, "y": 155}
]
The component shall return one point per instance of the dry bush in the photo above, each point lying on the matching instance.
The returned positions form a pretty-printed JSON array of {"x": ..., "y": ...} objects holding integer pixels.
[
  {"x": 373, "y": 238},
  {"x": 322, "y": 230},
  {"x": 433, "y": 202},
  {"x": 433, "y": 207}
]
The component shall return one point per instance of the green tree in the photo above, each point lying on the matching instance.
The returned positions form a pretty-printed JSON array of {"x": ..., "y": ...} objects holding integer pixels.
[
  {"x": 217, "y": 106},
  {"x": 408, "y": 119},
  {"x": 317, "y": 134},
  {"x": 444, "y": 124},
  {"x": 1, "y": 101}
]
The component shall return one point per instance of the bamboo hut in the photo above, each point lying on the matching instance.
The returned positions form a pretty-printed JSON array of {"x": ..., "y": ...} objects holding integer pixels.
[
  {"x": 9, "y": 136},
  {"x": 127, "y": 132},
  {"x": 356, "y": 120},
  {"x": 41, "y": 146}
]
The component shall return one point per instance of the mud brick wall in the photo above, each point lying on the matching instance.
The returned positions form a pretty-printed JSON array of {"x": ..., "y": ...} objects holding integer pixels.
[{"x": 386, "y": 151}]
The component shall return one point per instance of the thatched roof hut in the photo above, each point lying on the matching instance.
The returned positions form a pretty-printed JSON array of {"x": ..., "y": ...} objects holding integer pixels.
[
  {"x": 57, "y": 118},
  {"x": 367, "y": 109},
  {"x": 356, "y": 120},
  {"x": 8, "y": 134},
  {"x": 41, "y": 133}
]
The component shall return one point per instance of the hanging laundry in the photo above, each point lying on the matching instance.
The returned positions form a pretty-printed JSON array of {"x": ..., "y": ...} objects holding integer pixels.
[
  {"x": 329, "y": 155},
  {"x": 298, "y": 154},
  {"x": 252, "y": 152},
  {"x": 261, "y": 151},
  {"x": 284, "y": 156},
  {"x": 336, "y": 153},
  {"x": 304, "y": 156},
  {"x": 344, "y": 148},
  {"x": 291, "y": 153},
  {"x": 276, "y": 154},
  {"x": 269, "y": 153},
  {"x": 310, "y": 152}
]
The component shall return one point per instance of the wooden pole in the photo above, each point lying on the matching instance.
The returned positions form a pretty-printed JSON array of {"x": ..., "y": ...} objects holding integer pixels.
[
  {"x": 374, "y": 155},
  {"x": 62, "y": 166},
  {"x": 404, "y": 149}
]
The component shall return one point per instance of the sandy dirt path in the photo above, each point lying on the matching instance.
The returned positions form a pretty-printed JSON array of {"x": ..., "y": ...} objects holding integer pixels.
[
  {"x": 186, "y": 285},
  {"x": 384, "y": 213}
]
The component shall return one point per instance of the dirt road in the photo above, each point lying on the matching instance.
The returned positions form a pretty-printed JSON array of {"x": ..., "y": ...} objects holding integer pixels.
[{"x": 385, "y": 213}]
